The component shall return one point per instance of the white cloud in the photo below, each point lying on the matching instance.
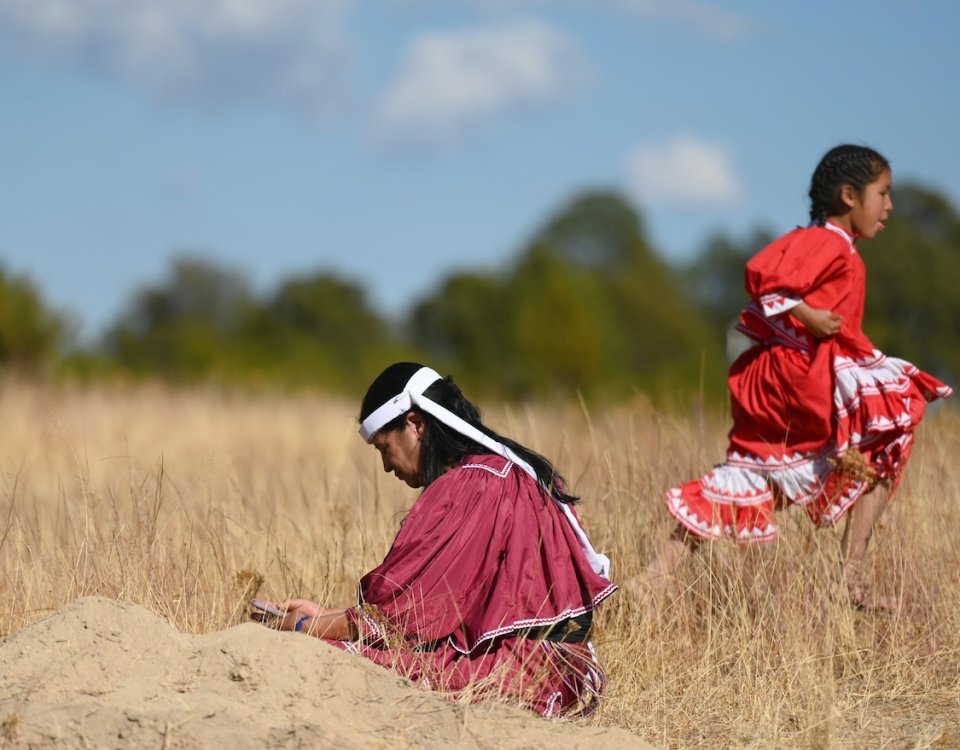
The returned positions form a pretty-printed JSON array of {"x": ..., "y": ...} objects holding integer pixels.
[
  {"x": 684, "y": 171},
  {"x": 213, "y": 53},
  {"x": 451, "y": 84}
]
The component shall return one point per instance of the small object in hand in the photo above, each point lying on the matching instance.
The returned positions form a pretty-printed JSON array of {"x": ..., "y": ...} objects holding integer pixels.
[{"x": 266, "y": 607}]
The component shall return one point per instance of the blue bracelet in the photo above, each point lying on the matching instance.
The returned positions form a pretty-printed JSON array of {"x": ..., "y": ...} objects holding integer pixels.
[{"x": 302, "y": 619}]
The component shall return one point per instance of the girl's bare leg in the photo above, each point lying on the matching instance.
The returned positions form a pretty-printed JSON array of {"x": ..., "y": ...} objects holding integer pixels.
[
  {"x": 658, "y": 576},
  {"x": 853, "y": 547}
]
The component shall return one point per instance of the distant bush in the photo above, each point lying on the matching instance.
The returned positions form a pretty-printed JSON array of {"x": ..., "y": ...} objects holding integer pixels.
[{"x": 30, "y": 333}]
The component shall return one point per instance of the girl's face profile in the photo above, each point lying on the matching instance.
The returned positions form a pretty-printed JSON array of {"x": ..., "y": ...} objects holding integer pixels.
[{"x": 870, "y": 209}]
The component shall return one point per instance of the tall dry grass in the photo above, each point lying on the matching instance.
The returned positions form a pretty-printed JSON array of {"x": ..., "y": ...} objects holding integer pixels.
[{"x": 191, "y": 502}]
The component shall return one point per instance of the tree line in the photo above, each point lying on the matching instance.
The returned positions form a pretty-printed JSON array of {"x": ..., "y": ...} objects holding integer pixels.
[{"x": 586, "y": 308}]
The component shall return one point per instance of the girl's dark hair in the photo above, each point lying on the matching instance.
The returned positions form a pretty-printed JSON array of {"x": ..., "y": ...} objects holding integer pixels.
[
  {"x": 443, "y": 446},
  {"x": 857, "y": 166}
]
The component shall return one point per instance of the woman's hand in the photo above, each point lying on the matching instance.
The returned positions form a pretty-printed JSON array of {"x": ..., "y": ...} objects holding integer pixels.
[
  {"x": 293, "y": 610},
  {"x": 821, "y": 323},
  {"x": 322, "y": 622},
  {"x": 301, "y": 606}
]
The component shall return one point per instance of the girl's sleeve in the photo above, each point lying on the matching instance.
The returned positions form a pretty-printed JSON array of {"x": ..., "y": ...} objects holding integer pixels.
[{"x": 783, "y": 273}]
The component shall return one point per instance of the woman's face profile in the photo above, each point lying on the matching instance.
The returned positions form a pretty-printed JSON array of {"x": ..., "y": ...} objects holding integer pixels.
[{"x": 400, "y": 449}]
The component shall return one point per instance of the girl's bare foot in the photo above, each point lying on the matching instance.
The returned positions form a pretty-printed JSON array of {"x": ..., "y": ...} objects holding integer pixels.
[
  {"x": 651, "y": 587},
  {"x": 643, "y": 593},
  {"x": 861, "y": 595}
]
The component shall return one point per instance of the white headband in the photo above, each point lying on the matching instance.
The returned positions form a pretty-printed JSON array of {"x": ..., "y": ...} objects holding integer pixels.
[
  {"x": 412, "y": 395},
  {"x": 399, "y": 404}
]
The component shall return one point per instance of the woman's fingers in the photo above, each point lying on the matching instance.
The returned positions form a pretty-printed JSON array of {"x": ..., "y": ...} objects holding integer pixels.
[
  {"x": 303, "y": 606},
  {"x": 290, "y": 611}
]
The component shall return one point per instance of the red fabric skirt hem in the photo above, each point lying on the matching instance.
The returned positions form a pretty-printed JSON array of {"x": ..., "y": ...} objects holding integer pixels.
[{"x": 552, "y": 679}]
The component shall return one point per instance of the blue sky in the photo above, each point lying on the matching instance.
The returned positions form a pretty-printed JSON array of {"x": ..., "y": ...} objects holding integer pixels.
[{"x": 398, "y": 142}]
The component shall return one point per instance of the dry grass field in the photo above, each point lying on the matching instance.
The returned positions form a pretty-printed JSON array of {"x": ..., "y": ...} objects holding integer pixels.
[{"x": 189, "y": 502}]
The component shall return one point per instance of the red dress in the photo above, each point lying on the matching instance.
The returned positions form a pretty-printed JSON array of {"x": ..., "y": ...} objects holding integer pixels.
[
  {"x": 484, "y": 564},
  {"x": 799, "y": 402}
]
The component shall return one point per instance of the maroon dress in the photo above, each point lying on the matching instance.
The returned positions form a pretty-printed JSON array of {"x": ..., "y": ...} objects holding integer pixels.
[
  {"x": 484, "y": 576},
  {"x": 799, "y": 402}
]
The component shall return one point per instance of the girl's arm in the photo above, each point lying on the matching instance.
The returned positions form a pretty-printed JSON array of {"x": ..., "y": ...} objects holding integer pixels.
[{"x": 821, "y": 323}]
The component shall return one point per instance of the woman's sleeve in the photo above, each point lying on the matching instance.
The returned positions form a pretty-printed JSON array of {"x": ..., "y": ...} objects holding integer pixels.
[
  {"x": 370, "y": 629},
  {"x": 484, "y": 552},
  {"x": 428, "y": 580}
]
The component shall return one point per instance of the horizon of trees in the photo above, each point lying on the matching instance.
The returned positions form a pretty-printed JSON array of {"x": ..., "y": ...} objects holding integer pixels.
[{"x": 587, "y": 309}]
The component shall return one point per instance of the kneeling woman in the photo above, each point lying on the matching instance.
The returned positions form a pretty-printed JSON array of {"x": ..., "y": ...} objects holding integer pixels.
[{"x": 489, "y": 588}]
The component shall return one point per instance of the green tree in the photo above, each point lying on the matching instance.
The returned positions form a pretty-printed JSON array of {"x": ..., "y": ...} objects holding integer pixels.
[
  {"x": 186, "y": 327},
  {"x": 204, "y": 321},
  {"x": 320, "y": 329},
  {"x": 912, "y": 308},
  {"x": 561, "y": 328},
  {"x": 587, "y": 308},
  {"x": 597, "y": 230},
  {"x": 714, "y": 280},
  {"x": 30, "y": 333},
  {"x": 462, "y": 327}
]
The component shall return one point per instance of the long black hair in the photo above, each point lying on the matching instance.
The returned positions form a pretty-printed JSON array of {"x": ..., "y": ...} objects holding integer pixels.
[
  {"x": 442, "y": 446},
  {"x": 847, "y": 164}
]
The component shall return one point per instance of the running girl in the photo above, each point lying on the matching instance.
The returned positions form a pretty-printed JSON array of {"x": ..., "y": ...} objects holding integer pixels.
[{"x": 820, "y": 415}]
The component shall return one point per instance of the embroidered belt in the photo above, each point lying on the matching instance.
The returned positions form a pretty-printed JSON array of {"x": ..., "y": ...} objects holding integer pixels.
[{"x": 572, "y": 630}]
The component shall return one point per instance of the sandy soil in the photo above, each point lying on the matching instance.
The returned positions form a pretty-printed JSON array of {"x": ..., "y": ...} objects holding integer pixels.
[{"x": 101, "y": 673}]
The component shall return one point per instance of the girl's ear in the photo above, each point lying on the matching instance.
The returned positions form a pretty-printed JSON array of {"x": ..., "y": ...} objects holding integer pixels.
[{"x": 848, "y": 195}]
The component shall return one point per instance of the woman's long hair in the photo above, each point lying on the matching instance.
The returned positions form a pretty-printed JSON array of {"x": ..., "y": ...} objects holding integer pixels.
[{"x": 442, "y": 446}]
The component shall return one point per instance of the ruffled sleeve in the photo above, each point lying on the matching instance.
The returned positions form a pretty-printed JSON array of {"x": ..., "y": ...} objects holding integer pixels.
[
  {"x": 482, "y": 553},
  {"x": 811, "y": 261}
]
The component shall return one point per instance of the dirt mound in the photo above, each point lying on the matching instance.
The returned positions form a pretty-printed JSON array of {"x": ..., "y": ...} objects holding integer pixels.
[{"x": 106, "y": 673}]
